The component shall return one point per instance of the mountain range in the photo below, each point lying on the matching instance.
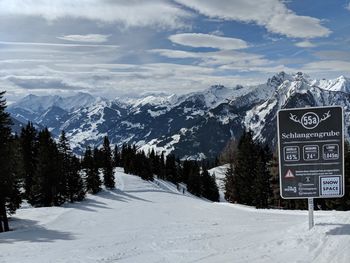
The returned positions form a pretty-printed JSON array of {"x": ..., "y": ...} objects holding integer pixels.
[{"x": 192, "y": 126}]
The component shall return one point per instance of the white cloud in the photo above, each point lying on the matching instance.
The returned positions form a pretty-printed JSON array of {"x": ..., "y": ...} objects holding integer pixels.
[
  {"x": 328, "y": 66},
  {"x": 305, "y": 44},
  {"x": 272, "y": 14},
  {"x": 89, "y": 38},
  {"x": 259, "y": 68},
  {"x": 136, "y": 13},
  {"x": 206, "y": 40},
  {"x": 333, "y": 54},
  {"x": 38, "y": 44},
  {"x": 171, "y": 53},
  {"x": 218, "y": 58},
  {"x": 229, "y": 60},
  {"x": 112, "y": 80}
]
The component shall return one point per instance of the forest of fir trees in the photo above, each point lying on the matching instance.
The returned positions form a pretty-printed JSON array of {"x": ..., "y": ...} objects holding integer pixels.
[
  {"x": 45, "y": 172},
  {"x": 253, "y": 178}
]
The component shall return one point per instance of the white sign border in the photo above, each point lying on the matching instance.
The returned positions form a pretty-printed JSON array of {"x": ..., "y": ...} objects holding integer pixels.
[{"x": 280, "y": 154}]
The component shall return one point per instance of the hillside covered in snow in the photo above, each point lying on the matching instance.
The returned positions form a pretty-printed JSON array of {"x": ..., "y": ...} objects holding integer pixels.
[{"x": 143, "y": 221}]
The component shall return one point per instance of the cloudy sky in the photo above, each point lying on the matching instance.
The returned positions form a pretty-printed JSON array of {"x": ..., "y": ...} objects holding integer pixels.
[{"x": 129, "y": 47}]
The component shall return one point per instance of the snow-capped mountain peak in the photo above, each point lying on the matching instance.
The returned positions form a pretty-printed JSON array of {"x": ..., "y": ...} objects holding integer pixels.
[
  {"x": 339, "y": 84},
  {"x": 79, "y": 100},
  {"x": 276, "y": 80},
  {"x": 153, "y": 100},
  {"x": 300, "y": 76},
  {"x": 195, "y": 125},
  {"x": 43, "y": 103},
  {"x": 36, "y": 103},
  {"x": 218, "y": 94}
]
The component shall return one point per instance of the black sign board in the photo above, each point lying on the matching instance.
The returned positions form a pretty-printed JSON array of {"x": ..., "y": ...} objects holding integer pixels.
[{"x": 311, "y": 152}]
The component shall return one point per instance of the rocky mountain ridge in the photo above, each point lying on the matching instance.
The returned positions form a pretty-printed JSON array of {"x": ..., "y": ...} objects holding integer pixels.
[{"x": 195, "y": 125}]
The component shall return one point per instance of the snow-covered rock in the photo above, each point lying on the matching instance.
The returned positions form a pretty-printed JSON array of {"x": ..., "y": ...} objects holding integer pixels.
[
  {"x": 201, "y": 122},
  {"x": 339, "y": 84},
  {"x": 42, "y": 103}
]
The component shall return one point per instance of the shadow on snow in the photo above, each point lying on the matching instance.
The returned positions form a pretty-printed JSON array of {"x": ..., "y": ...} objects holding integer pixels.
[
  {"x": 338, "y": 230},
  {"x": 119, "y": 195},
  {"x": 30, "y": 231},
  {"x": 87, "y": 204}
]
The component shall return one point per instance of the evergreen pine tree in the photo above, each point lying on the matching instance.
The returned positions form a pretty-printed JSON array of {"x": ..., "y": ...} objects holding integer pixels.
[
  {"x": 161, "y": 173},
  {"x": 248, "y": 180},
  {"x": 75, "y": 183},
  {"x": 28, "y": 139},
  {"x": 141, "y": 165},
  {"x": 128, "y": 158},
  {"x": 275, "y": 200},
  {"x": 261, "y": 193},
  {"x": 98, "y": 157},
  {"x": 47, "y": 188},
  {"x": 230, "y": 185},
  {"x": 11, "y": 169},
  {"x": 108, "y": 174},
  {"x": 194, "y": 182},
  {"x": 245, "y": 169},
  {"x": 145, "y": 164},
  {"x": 93, "y": 181},
  {"x": 132, "y": 158},
  {"x": 117, "y": 157},
  {"x": 171, "y": 173},
  {"x": 122, "y": 155},
  {"x": 65, "y": 155},
  {"x": 71, "y": 183},
  {"x": 210, "y": 189},
  {"x": 154, "y": 159},
  {"x": 10, "y": 197},
  {"x": 186, "y": 170},
  {"x": 13, "y": 197}
]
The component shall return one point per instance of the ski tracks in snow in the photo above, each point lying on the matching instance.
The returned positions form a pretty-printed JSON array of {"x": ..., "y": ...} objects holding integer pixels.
[{"x": 153, "y": 222}]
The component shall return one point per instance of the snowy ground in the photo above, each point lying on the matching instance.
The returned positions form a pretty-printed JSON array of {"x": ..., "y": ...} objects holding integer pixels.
[
  {"x": 152, "y": 222},
  {"x": 220, "y": 173}
]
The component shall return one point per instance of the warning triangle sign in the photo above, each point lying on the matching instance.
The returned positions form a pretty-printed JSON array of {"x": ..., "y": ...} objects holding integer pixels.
[{"x": 289, "y": 174}]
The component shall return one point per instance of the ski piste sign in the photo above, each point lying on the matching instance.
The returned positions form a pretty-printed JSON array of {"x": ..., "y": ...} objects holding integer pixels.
[{"x": 311, "y": 152}]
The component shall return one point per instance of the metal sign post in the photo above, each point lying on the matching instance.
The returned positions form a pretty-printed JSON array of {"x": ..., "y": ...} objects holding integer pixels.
[
  {"x": 311, "y": 154},
  {"x": 310, "y": 204}
]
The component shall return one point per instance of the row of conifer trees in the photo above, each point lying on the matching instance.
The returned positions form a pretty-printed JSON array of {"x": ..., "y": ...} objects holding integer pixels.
[
  {"x": 44, "y": 172},
  {"x": 248, "y": 177},
  {"x": 192, "y": 173},
  {"x": 253, "y": 178}
]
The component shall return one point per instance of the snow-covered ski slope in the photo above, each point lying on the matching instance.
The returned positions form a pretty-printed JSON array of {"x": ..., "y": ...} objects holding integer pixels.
[
  {"x": 220, "y": 173},
  {"x": 149, "y": 222}
]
